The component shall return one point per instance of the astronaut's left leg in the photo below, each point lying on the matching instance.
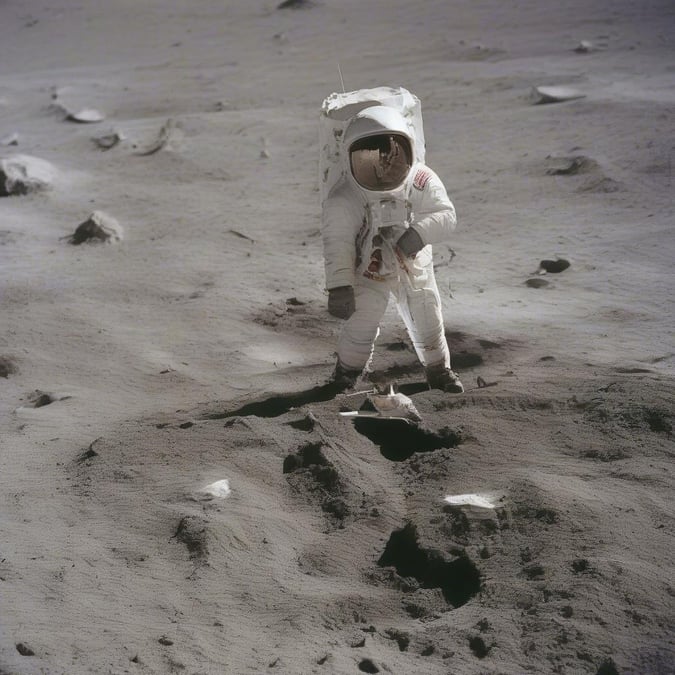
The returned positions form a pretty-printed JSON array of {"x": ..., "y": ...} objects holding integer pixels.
[{"x": 419, "y": 304}]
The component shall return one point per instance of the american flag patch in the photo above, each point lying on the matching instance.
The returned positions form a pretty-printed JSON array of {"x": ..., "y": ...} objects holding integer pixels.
[{"x": 421, "y": 179}]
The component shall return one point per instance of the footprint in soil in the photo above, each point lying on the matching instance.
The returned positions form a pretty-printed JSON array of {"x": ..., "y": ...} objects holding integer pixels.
[
  {"x": 458, "y": 579},
  {"x": 311, "y": 463}
]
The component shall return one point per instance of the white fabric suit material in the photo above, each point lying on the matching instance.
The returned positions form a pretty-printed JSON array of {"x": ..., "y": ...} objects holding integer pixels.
[{"x": 410, "y": 280}]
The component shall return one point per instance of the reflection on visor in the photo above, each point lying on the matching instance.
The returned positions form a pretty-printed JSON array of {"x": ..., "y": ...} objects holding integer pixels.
[{"x": 380, "y": 162}]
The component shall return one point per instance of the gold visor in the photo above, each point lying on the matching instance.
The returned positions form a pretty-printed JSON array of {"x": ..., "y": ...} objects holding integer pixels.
[{"x": 380, "y": 162}]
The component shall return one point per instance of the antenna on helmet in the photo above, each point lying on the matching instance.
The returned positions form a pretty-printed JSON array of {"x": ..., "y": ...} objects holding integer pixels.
[{"x": 342, "y": 82}]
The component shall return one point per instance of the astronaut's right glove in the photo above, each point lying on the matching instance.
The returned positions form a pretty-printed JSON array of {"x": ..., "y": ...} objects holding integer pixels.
[
  {"x": 410, "y": 243},
  {"x": 341, "y": 302}
]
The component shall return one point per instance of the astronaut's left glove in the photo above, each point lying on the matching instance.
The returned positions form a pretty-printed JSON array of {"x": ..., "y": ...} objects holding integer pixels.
[
  {"x": 410, "y": 243},
  {"x": 341, "y": 301}
]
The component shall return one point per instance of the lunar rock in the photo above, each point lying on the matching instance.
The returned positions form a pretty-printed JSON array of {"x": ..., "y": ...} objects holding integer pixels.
[{"x": 23, "y": 174}]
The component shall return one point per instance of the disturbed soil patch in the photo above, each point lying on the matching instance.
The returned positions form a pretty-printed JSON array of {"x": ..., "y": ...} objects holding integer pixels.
[
  {"x": 458, "y": 579},
  {"x": 399, "y": 440},
  {"x": 314, "y": 473},
  {"x": 280, "y": 404}
]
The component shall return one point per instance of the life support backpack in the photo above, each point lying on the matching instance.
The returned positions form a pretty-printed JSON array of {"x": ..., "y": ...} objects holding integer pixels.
[{"x": 336, "y": 112}]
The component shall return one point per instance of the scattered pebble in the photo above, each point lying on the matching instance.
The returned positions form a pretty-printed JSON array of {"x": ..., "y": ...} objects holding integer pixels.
[
  {"x": 540, "y": 95},
  {"x": 567, "y": 166},
  {"x": 98, "y": 227},
  {"x": 108, "y": 141},
  {"x": 23, "y": 174},
  {"x": 537, "y": 283},
  {"x": 220, "y": 489},
  {"x": 10, "y": 139},
  {"x": 85, "y": 116},
  {"x": 473, "y": 499},
  {"x": 167, "y": 642},
  {"x": 43, "y": 400},
  {"x": 586, "y": 46},
  {"x": 295, "y": 4}
]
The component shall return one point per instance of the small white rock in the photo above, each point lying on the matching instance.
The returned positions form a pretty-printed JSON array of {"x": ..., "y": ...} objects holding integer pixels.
[
  {"x": 86, "y": 116},
  {"x": 480, "y": 501},
  {"x": 10, "y": 139},
  {"x": 220, "y": 489},
  {"x": 539, "y": 95}
]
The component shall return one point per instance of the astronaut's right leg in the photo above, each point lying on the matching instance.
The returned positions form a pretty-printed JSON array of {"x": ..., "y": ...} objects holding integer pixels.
[{"x": 357, "y": 340}]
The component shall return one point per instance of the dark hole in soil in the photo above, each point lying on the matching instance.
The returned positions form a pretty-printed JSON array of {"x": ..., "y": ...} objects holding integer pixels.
[
  {"x": 657, "y": 421},
  {"x": 281, "y": 404},
  {"x": 367, "y": 666},
  {"x": 607, "y": 667},
  {"x": 7, "y": 366},
  {"x": 458, "y": 579},
  {"x": 191, "y": 531},
  {"x": 399, "y": 440},
  {"x": 478, "y": 647}
]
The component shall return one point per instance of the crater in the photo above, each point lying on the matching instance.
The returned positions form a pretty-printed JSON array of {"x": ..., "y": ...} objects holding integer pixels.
[
  {"x": 457, "y": 579},
  {"x": 398, "y": 440}
]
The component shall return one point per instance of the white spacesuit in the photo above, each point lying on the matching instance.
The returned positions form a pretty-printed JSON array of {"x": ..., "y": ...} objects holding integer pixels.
[{"x": 378, "y": 223}]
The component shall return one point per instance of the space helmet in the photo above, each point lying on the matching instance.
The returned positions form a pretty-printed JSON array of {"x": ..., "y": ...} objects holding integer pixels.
[{"x": 379, "y": 149}]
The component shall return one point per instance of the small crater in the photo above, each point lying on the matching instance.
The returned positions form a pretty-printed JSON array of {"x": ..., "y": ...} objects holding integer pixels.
[
  {"x": 402, "y": 639},
  {"x": 24, "y": 649},
  {"x": 657, "y": 422},
  {"x": 192, "y": 532},
  {"x": 534, "y": 572},
  {"x": 8, "y": 366},
  {"x": 554, "y": 266},
  {"x": 367, "y": 666},
  {"x": 458, "y": 579},
  {"x": 537, "y": 282},
  {"x": 605, "y": 456},
  {"x": 415, "y": 611},
  {"x": 607, "y": 667},
  {"x": 399, "y": 440},
  {"x": 478, "y": 647},
  {"x": 542, "y": 514},
  {"x": 580, "y": 565}
]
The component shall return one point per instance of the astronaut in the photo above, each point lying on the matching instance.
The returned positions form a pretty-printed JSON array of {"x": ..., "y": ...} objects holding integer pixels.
[{"x": 378, "y": 225}]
